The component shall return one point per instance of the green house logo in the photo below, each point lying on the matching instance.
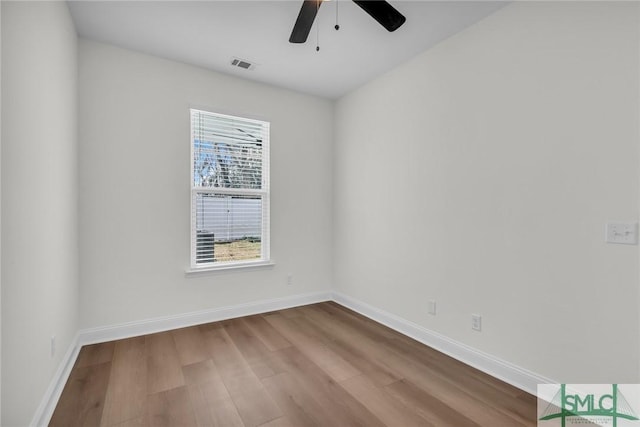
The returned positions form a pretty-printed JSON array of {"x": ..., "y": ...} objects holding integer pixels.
[{"x": 595, "y": 404}]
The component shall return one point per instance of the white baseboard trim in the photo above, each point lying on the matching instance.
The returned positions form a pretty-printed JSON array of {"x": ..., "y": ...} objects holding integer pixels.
[
  {"x": 503, "y": 370},
  {"x": 50, "y": 399},
  {"x": 160, "y": 324},
  {"x": 54, "y": 391}
]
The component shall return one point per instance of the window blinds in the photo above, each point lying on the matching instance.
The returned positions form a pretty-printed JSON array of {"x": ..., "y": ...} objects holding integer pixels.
[{"x": 229, "y": 189}]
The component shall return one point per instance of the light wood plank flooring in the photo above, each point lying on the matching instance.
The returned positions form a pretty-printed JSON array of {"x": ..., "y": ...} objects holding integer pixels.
[{"x": 317, "y": 365}]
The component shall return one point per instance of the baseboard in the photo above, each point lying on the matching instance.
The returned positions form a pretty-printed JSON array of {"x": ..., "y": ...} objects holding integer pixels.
[
  {"x": 503, "y": 370},
  {"x": 54, "y": 391},
  {"x": 159, "y": 324},
  {"x": 126, "y": 330}
]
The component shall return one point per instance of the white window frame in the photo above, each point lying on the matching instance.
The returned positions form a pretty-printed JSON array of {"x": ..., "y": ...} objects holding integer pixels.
[{"x": 263, "y": 192}]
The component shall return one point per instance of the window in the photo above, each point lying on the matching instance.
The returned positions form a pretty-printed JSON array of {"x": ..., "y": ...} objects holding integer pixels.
[{"x": 229, "y": 190}]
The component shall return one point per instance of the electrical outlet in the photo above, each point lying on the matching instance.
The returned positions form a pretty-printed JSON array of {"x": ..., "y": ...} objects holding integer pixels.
[
  {"x": 289, "y": 279},
  {"x": 53, "y": 345},
  {"x": 431, "y": 307},
  {"x": 476, "y": 322}
]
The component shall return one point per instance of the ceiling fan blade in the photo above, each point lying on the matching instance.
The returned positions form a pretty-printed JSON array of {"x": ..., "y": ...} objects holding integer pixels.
[
  {"x": 383, "y": 12},
  {"x": 303, "y": 24}
]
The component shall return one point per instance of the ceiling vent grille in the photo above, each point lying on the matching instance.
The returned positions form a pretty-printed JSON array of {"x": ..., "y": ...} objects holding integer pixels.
[{"x": 242, "y": 63}]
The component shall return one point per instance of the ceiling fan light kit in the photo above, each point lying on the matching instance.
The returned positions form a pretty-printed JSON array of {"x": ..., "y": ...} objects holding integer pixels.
[{"x": 385, "y": 14}]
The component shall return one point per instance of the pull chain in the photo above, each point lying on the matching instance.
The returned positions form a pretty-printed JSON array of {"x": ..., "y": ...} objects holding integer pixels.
[
  {"x": 317, "y": 27},
  {"x": 337, "y": 26}
]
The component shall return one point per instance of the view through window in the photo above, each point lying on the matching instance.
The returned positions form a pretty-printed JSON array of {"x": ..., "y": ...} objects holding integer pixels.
[{"x": 229, "y": 190}]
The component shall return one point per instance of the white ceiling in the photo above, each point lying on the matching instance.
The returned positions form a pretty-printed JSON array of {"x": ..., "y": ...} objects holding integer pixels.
[{"x": 209, "y": 33}]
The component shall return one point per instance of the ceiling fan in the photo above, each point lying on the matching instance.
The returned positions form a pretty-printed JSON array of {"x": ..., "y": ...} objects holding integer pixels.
[{"x": 380, "y": 10}]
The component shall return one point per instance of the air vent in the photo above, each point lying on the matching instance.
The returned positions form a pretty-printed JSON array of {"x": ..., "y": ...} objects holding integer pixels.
[{"x": 242, "y": 63}]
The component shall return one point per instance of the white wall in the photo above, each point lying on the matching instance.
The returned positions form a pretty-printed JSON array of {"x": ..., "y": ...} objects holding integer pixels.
[
  {"x": 512, "y": 143},
  {"x": 39, "y": 200},
  {"x": 0, "y": 215},
  {"x": 134, "y": 187}
]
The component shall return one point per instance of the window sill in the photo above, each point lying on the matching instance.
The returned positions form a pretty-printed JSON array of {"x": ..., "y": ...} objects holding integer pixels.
[{"x": 258, "y": 265}]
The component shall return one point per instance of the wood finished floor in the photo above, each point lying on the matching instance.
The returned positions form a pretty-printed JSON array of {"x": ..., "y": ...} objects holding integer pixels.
[{"x": 317, "y": 365}]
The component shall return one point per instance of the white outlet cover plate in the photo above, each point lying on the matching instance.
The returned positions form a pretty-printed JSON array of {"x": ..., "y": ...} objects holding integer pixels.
[
  {"x": 431, "y": 307},
  {"x": 476, "y": 322},
  {"x": 625, "y": 233}
]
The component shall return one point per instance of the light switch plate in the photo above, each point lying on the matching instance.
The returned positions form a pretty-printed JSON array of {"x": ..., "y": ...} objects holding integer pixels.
[{"x": 625, "y": 233}]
